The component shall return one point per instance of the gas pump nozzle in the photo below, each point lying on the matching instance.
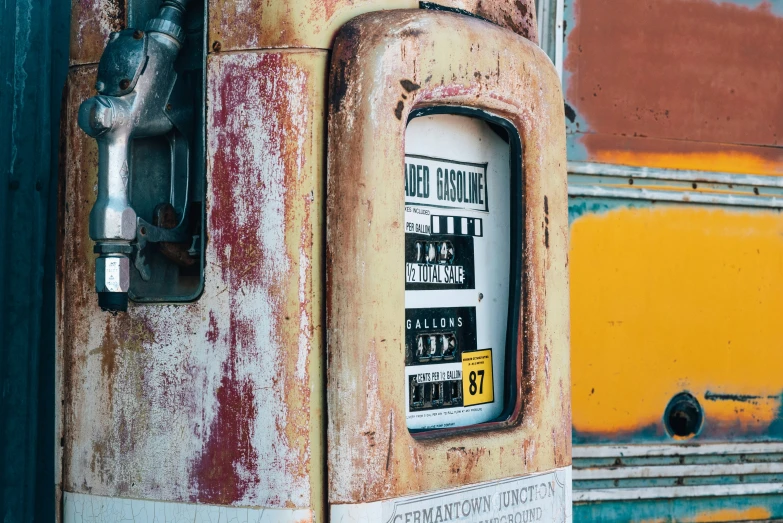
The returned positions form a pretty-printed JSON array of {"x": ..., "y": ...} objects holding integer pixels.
[{"x": 135, "y": 79}]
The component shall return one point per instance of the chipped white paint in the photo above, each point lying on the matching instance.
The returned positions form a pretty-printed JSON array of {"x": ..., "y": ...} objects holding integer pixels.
[
  {"x": 86, "y": 508},
  {"x": 144, "y": 403}
]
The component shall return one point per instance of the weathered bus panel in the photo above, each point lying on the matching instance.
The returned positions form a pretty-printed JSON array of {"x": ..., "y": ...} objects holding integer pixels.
[
  {"x": 676, "y": 256},
  {"x": 686, "y": 84}
]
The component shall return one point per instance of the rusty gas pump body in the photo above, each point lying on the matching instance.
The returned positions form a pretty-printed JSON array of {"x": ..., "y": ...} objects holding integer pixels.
[{"x": 208, "y": 396}]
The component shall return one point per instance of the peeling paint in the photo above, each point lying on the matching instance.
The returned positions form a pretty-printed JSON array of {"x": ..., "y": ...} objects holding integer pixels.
[
  {"x": 216, "y": 401},
  {"x": 91, "y": 23},
  {"x": 717, "y": 339},
  {"x": 702, "y": 73},
  {"x": 254, "y": 24},
  {"x": 375, "y": 57}
]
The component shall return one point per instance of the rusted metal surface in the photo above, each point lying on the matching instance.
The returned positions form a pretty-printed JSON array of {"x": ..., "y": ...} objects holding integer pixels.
[
  {"x": 676, "y": 82},
  {"x": 259, "y": 24},
  {"x": 91, "y": 23},
  {"x": 217, "y": 401},
  {"x": 453, "y": 60},
  {"x": 517, "y": 15}
]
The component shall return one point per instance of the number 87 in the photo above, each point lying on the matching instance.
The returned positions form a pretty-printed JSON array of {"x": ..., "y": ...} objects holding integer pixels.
[{"x": 473, "y": 386}]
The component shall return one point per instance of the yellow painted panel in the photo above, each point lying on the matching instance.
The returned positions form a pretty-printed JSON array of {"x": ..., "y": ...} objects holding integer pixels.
[
  {"x": 676, "y": 298},
  {"x": 729, "y": 162}
]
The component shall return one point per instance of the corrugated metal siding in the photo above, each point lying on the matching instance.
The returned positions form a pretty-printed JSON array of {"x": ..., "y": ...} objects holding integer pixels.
[{"x": 32, "y": 70}]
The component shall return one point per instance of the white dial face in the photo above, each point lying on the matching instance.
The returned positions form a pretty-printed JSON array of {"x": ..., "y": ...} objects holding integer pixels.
[{"x": 457, "y": 270}]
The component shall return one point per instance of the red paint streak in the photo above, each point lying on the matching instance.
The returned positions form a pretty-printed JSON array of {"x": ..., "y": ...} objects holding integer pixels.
[
  {"x": 696, "y": 70},
  {"x": 212, "y": 332},
  {"x": 243, "y": 262},
  {"x": 255, "y": 162},
  {"x": 229, "y": 450}
]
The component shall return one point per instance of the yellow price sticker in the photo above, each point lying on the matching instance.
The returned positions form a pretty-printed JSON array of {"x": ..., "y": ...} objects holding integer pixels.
[{"x": 477, "y": 377}]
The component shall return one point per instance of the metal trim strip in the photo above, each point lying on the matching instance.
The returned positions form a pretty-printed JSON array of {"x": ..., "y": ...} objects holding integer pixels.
[
  {"x": 627, "y": 451},
  {"x": 671, "y": 196},
  {"x": 677, "y": 175},
  {"x": 700, "y": 491},
  {"x": 673, "y": 471}
]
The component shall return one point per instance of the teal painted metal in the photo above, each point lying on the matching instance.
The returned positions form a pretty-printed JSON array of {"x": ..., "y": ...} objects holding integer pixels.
[
  {"x": 33, "y": 66},
  {"x": 681, "y": 510}
]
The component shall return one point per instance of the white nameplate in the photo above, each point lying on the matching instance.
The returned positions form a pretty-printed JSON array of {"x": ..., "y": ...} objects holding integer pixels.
[{"x": 544, "y": 498}]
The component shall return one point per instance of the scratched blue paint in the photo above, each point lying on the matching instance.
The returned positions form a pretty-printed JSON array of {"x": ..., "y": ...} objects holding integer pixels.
[
  {"x": 673, "y": 510},
  {"x": 579, "y": 206},
  {"x": 578, "y": 123},
  {"x": 575, "y": 150}
]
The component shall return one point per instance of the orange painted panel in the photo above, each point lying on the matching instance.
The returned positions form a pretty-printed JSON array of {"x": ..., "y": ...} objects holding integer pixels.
[
  {"x": 752, "y": 514},
  {"x": 680, "y": 154},
  {"x": 671, "y": 299}
]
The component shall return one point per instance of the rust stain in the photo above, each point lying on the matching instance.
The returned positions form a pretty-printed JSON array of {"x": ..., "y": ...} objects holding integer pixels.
[
  {"x": 229, "y": 451},
  {"x": 680, "y": 70},
  {"x": 220, "y": 475},
  {"x": 168, "y": 402},
  {"x": 462, "y": 461},
  {"x": 517, "y": 15},
  {"x": 455, "y": 60},
  {"x": 257, "y": 24},
  {"x": 91, "y": 23}
]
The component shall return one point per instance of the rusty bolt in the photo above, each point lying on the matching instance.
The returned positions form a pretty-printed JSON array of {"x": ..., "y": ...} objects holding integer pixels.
[
  {"x": 124, "y": 83},
  {"x": 168, "y": 107},
  {"x": 216, "y": 46},
  {"x": 138, "y": 34}
]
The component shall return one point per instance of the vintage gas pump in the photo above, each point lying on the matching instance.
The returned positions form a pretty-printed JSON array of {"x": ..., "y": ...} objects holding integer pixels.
[
  {"x": 447, "y": 313},
  {"x": 148, "y": 164},
  {"x": 373, "y": 329}
]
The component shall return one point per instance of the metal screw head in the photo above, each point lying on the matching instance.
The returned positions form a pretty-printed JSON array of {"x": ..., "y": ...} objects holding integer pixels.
[
  {"x": 124, "y": 83},
  {"x": 138, "y": 34},
  {"x": 216, "y": 46}
]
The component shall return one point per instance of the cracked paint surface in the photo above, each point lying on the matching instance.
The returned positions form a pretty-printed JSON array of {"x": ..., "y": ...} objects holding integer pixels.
[
  {"x": 216, "y": 401},
  {"x": 85, "y": 508},
  {"x": 259, "y": 24},
  {"x": 454, "y": 60}
]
